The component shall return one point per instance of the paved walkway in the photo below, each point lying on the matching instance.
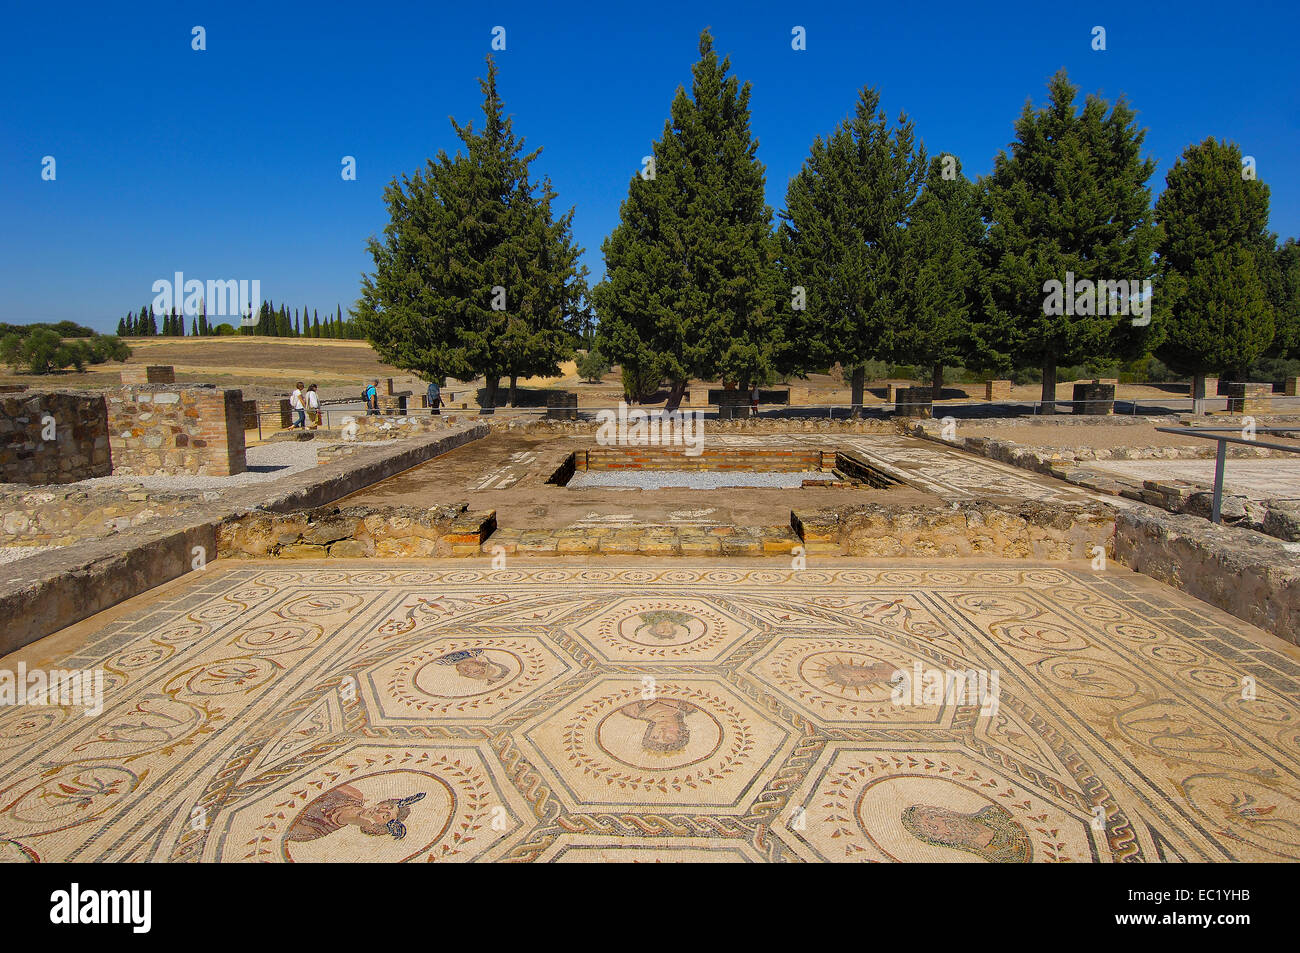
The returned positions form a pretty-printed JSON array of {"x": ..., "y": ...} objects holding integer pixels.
[
  {"x": 379, "y": 711},
  {"x": 1259, "y": 479}
]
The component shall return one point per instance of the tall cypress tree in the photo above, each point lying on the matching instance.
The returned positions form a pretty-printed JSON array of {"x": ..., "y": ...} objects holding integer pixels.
[
  {"x": 691, "y": 287},
  {"x": 475, "y": 274},
  {"x": 843, "y": 240},
  {"x": 1071, "y": 199},
  {"x": 1215, "y": 254},
  {"x": 1284, "y": 294},
  {"x": 945, "y": 236}
]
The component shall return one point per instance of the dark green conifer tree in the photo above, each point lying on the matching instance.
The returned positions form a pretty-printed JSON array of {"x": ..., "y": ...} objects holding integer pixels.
[
  {"x": 844, "y": 242},
  {"x": 475, "y": 275},
  {"x": 1216, "y": 254},
  {"x": 1070, "y": 199},
  {"x": 691, "y": 287}
]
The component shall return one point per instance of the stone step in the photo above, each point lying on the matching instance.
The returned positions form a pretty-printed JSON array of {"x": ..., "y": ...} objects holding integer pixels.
[{"x": 685, "y": 540}]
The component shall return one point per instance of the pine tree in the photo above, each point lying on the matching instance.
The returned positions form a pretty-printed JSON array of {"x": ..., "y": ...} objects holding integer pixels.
[
  {"x": 691, "y": 286},
  {"x": 142, "y": 322},
  {"x": 844, "y": 243},
  {"x": 1284, "y": 294},
  {"x": 203, "y": 318},
  {"x": 1071, "y": 199},
  {"x": 1215, "y": 255},
  {"x": 945, "y": 236},
  {"x": 121, "y": 327},
  {"x": 475, "y": 275}
]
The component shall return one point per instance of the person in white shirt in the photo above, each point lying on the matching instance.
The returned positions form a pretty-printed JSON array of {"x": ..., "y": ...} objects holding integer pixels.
[
  {"x": 313, "y": 406},
  {"x": 297, "y": 406}
]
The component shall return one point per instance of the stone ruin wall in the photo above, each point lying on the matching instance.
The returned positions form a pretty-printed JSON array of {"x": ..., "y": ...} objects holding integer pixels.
[
  {"x": 162, "y": 429},
  {"x": 79, "y": 449}
]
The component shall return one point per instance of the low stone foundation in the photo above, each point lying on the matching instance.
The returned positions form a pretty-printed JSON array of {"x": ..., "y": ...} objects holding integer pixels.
[
  {"x": 76, "y": 426},
  {"x": 1031, "y": 530},
  {"x": 52, "y": 516},
  {"x": 356, "y": 531},
  {"x": 1253, "y": 577}
]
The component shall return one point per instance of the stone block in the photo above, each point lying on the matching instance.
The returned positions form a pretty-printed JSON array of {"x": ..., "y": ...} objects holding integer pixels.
[
  {"x": 1250, "y": 398},
  {"x": 997, "y": 390},
  {"x": 1095, "y": 398}
]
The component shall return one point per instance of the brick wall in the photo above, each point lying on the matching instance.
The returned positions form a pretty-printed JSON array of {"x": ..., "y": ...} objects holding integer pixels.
[
  {"x": 167, "y": 430},
  {"x": 1250, "y": 398},
  {"x": 997, "y": 390},
  {"x": 148, "y": 374},
  {"x": 79, "y": 449},
  {"x": 1095, "y": 399},
  {"x": 675, "y": 458}
]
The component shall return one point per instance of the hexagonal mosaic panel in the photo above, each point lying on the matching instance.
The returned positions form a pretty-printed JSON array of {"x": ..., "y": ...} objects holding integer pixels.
[
  {"x": 657, "y": 742},
  {"x": 648, "y": 629}
]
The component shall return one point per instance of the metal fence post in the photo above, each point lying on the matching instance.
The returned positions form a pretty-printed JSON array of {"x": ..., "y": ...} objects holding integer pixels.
[{"x": 1219, "y": 458}]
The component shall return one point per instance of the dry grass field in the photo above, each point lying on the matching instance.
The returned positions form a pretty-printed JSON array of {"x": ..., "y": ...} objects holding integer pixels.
[{"x": 264, "y": 367}]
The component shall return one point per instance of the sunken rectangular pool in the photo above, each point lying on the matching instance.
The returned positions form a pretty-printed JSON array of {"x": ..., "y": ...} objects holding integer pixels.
[{"x": 654, "y": 468}]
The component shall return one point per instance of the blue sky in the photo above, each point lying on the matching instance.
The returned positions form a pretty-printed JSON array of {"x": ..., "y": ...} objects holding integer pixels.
[{"x": 226, "y": 163}]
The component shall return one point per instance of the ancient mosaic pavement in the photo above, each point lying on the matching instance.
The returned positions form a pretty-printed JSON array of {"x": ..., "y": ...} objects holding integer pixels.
[
  {"x": 574, "y": 713},
  {"x": 949, "y": 473}
]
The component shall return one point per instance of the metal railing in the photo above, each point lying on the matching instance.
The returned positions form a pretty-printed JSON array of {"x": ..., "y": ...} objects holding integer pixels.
[
  {"x": 1221, "y": 454},
  {"x": 1131, "y": 407}
]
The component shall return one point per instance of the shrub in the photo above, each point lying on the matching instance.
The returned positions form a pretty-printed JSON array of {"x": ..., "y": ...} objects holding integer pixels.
[
  {"x": 641, "y": 383},
  {"x": 42, "y": 351},
  {"x": 592, "y": 366}
]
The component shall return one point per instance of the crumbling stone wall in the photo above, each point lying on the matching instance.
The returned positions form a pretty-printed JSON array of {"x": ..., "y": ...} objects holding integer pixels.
[
  {"x": 356, "y": 531},
  {"x": 1030, "y": 530},
  {"x": 78, "y": 450},
  {"x": 61, "y": 516},
  {"x": 163, "y": 429},
  {"x": 1253, "y": 577}
]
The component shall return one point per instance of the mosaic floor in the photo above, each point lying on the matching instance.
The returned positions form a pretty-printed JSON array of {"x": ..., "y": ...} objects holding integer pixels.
[
  {"x": 259, "y": 712},
  {"x": 1260, "y": 479},
  {"x": 949, "y": 473}
]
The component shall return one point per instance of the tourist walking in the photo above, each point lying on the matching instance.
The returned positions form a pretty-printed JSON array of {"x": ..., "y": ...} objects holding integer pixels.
[
  {"x": 298, "y": 407},
  {"x": 313, "y": 406},
  {"x": 371, "y": 394},
  {"x": 435, "y": 397}
]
